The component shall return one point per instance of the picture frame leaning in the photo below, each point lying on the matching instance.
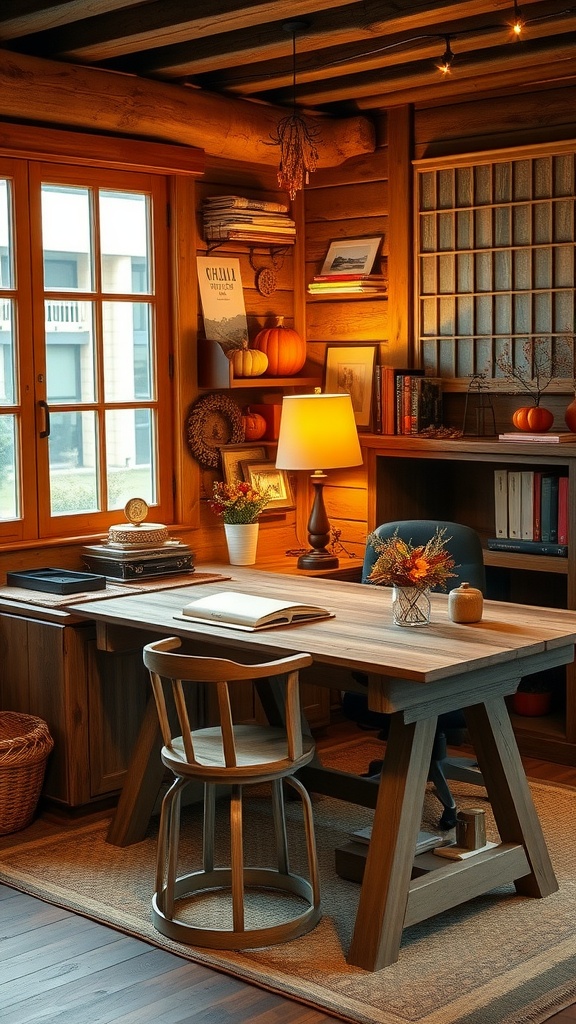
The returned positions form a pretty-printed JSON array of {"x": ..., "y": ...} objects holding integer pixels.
[
  {"x": 262, "y": 475},
  {"x": 350, "y": 369},
  {"x": 351, "y": 256}
]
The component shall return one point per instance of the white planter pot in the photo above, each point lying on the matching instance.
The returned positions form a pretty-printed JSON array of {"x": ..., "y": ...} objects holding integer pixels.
[{"x": 242, "y": 541}]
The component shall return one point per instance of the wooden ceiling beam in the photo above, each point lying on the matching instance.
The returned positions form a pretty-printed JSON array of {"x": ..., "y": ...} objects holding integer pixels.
[
  {"x": 36, "y": 90},
  {"x": 534, "y": 62},
  {"x": 162, "y": 23},
  {"x": 394, "y": 52},
  {"x": 468, "y": 87},
  {"x": 22, "y": 16}
]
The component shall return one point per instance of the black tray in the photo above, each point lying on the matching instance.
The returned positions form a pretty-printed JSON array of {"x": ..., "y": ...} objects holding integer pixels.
[{"x": 55, "y": 581}]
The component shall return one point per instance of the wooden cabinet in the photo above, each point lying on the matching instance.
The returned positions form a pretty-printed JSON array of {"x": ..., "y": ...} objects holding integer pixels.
[
  {"x": 92, "y": 701},
  {"x": 454, "y": 480}
]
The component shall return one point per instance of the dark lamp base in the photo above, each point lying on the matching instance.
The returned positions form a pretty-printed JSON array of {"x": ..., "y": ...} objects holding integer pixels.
[{"x": 318, "y": 560}]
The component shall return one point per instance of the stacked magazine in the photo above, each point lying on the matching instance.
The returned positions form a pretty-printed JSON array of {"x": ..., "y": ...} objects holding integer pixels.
[
  {"x": 361, "y": 284},
  {"x": 247, "y": 220}
]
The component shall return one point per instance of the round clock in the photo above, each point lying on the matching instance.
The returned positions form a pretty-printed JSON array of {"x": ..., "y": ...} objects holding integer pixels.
[
  {"x": 214, "y": 420},
  {"x": 136, "y": 510}
]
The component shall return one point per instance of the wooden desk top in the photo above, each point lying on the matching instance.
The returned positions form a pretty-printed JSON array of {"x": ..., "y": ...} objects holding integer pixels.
[{"x": 361, "y": 636}]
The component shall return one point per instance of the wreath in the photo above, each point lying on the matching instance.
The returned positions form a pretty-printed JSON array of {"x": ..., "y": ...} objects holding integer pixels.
[{"x": 213, "y": 420}]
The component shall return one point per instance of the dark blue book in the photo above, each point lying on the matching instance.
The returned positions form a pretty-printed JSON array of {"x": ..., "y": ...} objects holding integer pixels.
[
  {"x": 549, "y": 503},
  {"x": 527, "y": 547}
]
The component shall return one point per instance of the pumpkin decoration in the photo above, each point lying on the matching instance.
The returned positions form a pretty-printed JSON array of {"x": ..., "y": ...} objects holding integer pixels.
[
  {"x": 248, "y": 362},
  {"x": 533, "y": 417},
  {"x": 285, "y": 349},
  {"x": 254, "y": 425}
]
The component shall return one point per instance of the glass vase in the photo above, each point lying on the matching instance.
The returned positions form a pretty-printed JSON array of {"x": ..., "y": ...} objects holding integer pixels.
[{"x": 410, "y": 606}]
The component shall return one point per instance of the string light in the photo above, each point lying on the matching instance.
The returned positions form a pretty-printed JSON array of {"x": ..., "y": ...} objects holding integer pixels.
[
  {"x": 447, "y": 59},
  {"x": 518, "y": 24},
  {"x": 296, "y": 138}
]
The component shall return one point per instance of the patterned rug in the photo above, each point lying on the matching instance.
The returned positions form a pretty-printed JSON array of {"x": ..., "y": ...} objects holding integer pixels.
[{"x": 499, "y": 959}]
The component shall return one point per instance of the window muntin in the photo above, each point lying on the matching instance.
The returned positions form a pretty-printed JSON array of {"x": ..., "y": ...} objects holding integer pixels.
[{"x": 70, "y": 243}]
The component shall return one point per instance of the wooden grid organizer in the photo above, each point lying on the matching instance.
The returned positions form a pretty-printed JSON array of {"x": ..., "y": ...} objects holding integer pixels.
[{"x": 495, "y": 263}]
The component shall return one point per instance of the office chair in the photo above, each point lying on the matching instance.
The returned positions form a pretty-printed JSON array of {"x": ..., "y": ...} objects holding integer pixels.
[{"x": 466, "y": 550}]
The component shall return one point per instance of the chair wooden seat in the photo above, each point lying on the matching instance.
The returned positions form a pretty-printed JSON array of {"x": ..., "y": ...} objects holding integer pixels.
[
  {"x": 233, "y": 755},
  {"x": 256, "y": 748}
]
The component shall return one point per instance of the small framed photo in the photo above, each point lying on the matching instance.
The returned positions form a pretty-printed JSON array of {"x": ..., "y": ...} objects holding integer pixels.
[
  {"x": 350, "y": 368},
  {"x": 262, "y": 475},
  {"x": 232, "y": 456},
  {"x": 351, "y": 256}
]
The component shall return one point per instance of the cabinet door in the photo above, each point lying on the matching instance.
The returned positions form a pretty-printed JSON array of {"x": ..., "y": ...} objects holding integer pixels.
[
  {"x": 118, "y": 690},
  {"x": 45, "y": 675}
]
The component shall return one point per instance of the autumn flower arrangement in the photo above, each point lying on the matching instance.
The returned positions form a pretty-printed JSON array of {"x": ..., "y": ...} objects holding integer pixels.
[
  {"x": 238, "y": 502},
  {"x": 401, "y": 564}
]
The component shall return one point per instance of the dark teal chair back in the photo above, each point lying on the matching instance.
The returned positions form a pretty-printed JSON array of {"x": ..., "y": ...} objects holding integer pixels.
[{"x": 462, "y": 542}]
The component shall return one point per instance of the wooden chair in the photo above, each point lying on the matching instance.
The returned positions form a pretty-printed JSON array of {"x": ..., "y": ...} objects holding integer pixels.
[{"x": 236, "y": 756}]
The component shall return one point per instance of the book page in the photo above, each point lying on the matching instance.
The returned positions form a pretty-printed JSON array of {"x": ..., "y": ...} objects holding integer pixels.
[{"x": 250, "y": 612}]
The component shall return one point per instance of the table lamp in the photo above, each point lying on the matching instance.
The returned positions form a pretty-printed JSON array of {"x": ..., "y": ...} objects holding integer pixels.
[{"x": 318, "y": 432}]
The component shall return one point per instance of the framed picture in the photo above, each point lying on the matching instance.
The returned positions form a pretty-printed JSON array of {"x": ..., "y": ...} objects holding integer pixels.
[
  {"x": 350, "y": 368},
  {"x": 232, "y": 456},
  {"x": 351, "y": 256},
  {"x": 261, "y": 475}
]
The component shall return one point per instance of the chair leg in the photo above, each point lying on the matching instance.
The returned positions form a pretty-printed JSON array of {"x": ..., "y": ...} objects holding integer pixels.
[
  {"x": 436, "y": 776},
  {"x": 209, "y": 823},
  {"x": 168, "y": 841},
  {"x": 310, "y": 837},
  {"x": 237, "y": 859},
  {"x": 280, "y": 827}
]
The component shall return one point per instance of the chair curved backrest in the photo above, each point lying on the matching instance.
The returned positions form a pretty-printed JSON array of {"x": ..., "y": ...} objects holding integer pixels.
[
  {"x": 462, "y": 542},
  {"x": 178, "y": 669}
]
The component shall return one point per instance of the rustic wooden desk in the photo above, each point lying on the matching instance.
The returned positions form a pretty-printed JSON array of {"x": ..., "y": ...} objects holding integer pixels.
[{"x": 415, "y": 674}]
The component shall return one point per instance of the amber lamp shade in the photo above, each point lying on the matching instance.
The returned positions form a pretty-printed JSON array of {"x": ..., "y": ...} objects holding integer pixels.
[{"x": 318, "y": 433}]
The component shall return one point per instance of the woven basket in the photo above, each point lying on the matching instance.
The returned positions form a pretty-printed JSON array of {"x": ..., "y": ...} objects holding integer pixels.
[{"x": 25, "y": 744}]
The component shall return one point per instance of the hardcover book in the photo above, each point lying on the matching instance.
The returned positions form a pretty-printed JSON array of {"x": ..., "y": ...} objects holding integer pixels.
[{"x": 237, "y": 611}]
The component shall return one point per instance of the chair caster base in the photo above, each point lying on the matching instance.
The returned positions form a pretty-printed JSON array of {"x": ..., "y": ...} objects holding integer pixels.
[{"x": 448, "y": 819}]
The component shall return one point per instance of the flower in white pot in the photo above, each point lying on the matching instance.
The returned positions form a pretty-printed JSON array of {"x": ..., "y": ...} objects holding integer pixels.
[{"x": 239, "y": 504}]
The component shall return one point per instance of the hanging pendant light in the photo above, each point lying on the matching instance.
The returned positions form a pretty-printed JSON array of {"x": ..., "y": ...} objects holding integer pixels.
[{"x": 296, "y": 138}]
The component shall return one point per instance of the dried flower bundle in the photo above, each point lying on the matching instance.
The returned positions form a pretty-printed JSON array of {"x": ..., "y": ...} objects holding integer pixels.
[
  {"x": 401, "y": 564},
  {"x": 238, "y": 502}
]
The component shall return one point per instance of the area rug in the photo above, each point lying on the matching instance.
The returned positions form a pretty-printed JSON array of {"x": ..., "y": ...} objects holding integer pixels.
[{"x": 499, "y": 959}]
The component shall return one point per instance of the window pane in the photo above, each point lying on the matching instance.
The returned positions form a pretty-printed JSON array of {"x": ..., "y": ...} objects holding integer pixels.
[
  {"x": 67, "y": 238},
  {"x": 9, "y": 490},
  {"x": 73, "y": 463},
  {"x": 125, "y": 242},
  {"x": 131, "y": 470},
  {"x": 6, "y": 245},
  {"x": 7, "y": 350},
  {"x": 69, "y": 350},
  {"x": 127, "y": 351}
]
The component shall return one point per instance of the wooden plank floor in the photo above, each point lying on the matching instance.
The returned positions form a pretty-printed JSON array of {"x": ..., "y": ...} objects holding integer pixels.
[{"x": 59, "y": 967}]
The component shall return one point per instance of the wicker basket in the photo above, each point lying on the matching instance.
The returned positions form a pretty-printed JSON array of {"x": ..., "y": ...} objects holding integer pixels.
[{"x": 25, "y": 744}]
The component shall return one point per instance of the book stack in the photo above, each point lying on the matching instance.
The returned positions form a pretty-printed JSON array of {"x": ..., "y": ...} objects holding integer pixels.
[
  {"x": 531, "y": 512},
  {"x": 359, "y": 284},
  {"x": 247, "y": 220},
  {"x": 128, "y": 562},
  {"x": 406, "y": 401}
]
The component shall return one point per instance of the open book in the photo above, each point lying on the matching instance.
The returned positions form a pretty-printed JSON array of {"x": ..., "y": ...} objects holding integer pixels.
[{"x": 240, "y": 611}]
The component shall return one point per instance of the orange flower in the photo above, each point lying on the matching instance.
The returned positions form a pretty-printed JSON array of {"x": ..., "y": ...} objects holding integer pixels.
[{"x": 401, "y": 564}]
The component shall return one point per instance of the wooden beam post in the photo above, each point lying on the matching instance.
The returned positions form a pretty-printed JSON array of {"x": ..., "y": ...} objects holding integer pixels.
[{"x": 55, "y": 93}]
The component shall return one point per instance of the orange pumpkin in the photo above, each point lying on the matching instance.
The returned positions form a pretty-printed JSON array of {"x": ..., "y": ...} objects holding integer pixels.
[
  {"x": 254, "y": 425},
  {"x": 533, "y": 417},
  {"x": 285, "y": 349},
  {"x": 248, "y": 362}
]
